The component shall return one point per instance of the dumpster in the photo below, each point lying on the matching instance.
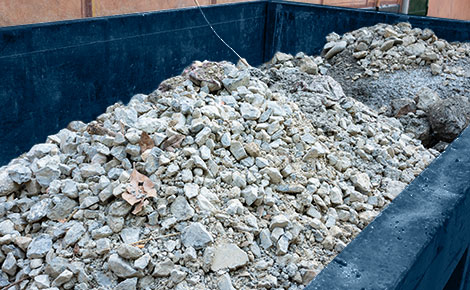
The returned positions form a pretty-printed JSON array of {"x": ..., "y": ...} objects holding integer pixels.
[{"x": 59, "y": 72}]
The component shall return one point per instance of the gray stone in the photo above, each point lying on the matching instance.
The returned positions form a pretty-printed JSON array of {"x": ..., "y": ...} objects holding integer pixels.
[
  {"x": 402, "y": 106},
  {"x": 7, "y": 227},
  {"x": 39, "y": 247},
  {"x": 307, "y": 65},
  {"x": 226, "y": 140},
  {"x": 202, "y": 136},
  {"x": 317, "y": 150},
  {"x": 238, "y": 150},
  {"x": 425, "y": 98},
  {"x": 336, "y": 196},
  {"x": 265, "y": 239},
  {"x": 23, "y": 242},
  {"x": 103, "y": 246},
  {"x": 120, "y": 208},
  {"x": 142, "y": 262},
  {"x": 42, "y": 281},
  {"x": 102, "y": 232},
  {"x": 176, "y": 276},
  {"x": 62, "y": 209},
  {"x": 436, "y": 69},
  {"x": 163, "y": 269},
  {"x": 130, "y": 235},
  {"x": 191, "y": 190},
  {"x": 290, "y": 188},
  {"x": 74, "y": 234},
  {"x": 115, "y": 223},
  {"x": 279, "y": 221},
  {"x": 93, "y": 169},
  {"x": 415, "y": 49},
  {"x": 281, "y": 57},
  {"x": 128, "y": 284},
  {"x": 69, "y": 188},
  {"x": 231, "y": 84},
  {"x": 56, "y": 266},
  {"x": 195, "y": 235},
  {"x": 337, "y": 48},
  {"x": 9, "y": 265},
  {"x": 393, "y": 188},
  {"x": 250, "y": 194},
  {"x": 181, "y": 209},
  {"x": 63, "y": 278},
  {"x": 282, "y": 245},
  {"x": 273, "y": 173},
  {"x": 40, "y": 150},
  {"x": 89, "y": 201},
  {"x": 224, "y": 282},
  {"x": 129, "y": 252},
  {"x": 361, "y": 182},
  {"x": 249, "y": 112},
  {"x": 120, "y": 268},
  {"x": 7, "y": 185},
  {"x": 228, "y": 256},
  {"x": 387, "y": 45},
  {"x": 38, "y": 210},
  {"x": 19, "y": 173},
  {"x": 449, "y": 117},
  {"x": 48, "y": 170}
]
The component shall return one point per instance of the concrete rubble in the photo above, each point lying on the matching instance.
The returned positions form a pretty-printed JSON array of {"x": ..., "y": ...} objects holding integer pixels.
[{"x": 262, "y": 176}]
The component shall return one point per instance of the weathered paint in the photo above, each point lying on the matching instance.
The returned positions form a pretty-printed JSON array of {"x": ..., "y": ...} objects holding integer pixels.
[
  {"x": 16, "y": 12},
  {"x": 455, "y": 9}
]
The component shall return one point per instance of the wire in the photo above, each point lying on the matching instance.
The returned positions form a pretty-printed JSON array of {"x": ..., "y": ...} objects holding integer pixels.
[{"x": 218, "y": 36}]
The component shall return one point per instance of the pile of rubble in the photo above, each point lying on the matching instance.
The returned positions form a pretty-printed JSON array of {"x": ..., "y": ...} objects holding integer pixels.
[
  {"x": 388, "y": 48},
  {"x": 215, "y": 180},
  {"x": 402, "y": 72}
]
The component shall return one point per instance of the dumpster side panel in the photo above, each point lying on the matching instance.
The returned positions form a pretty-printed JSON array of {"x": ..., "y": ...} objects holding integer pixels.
[
  {"x": 59, "y": 72},
  {"x": 303, "y": 27}
]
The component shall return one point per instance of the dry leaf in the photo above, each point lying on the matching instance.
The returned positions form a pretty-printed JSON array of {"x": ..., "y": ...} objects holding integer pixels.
[
  {"x": 139, "y": 189},
  {"x": 145, "y": 142},
  {"x": 173, "y": 142},
  {"x": 97, "y": 129},
  {"x": 130, "y": 198},
  {"x": 76, "y": 250},
  {"x": 140, "y": 206}
]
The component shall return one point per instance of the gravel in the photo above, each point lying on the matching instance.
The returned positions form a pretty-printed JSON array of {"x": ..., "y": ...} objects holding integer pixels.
[{"x": 228, "y": 177}]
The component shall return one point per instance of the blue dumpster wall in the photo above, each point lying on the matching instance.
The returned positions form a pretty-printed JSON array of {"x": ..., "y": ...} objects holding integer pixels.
[
  {"x": 54, "y": 73},
  {"x": 294, "y": 27}
]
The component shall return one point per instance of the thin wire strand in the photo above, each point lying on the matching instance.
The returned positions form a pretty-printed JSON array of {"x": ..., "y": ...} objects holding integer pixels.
[{"x": 218, "y": 36}]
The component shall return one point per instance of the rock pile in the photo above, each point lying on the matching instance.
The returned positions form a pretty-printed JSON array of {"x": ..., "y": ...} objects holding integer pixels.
[
  {"x": 217, "y": 180},
  {"x": 388, "y": 48},
  {"x": 403, "y": 72}
]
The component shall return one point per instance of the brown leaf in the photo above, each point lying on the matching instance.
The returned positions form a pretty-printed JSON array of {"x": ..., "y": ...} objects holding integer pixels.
[
  {"x": 76, "y": 250},
  {"x": 145, "y": 142},
  {"x": 97, "y": 129},
  {"x": 140, "y": 206},
  {"x": 140, "y": 188},
  {"x": 130, "y": 198},
  {"x": 173, "y": 142}
]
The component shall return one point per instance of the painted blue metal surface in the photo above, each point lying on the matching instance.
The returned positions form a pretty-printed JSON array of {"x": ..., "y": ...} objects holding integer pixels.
[{"x": 54, "y": 73}]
